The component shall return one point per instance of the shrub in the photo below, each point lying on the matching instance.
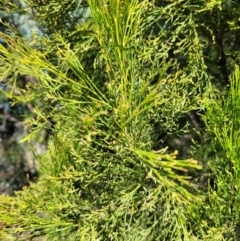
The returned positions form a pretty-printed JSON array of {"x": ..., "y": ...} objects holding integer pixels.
[{"x": 111, "y": 94}]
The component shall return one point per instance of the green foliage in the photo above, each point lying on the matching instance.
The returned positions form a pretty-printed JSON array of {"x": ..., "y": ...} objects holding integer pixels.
[
  {"x": 218, "y": 215},
  {"x": 101, "y": 173},
  {"x": 134, "y": 70},
  {"x": 222, "y": 119}
]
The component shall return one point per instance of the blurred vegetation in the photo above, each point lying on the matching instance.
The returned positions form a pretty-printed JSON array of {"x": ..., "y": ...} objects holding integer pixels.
[{"x": 138, "y": 105}]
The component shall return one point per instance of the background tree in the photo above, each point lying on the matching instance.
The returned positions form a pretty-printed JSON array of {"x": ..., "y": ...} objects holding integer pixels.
[{"x": 17, "y": 164}]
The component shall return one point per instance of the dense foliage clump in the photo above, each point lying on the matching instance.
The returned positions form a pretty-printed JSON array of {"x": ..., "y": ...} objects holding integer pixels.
[{"x": 117, "y": 85}]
